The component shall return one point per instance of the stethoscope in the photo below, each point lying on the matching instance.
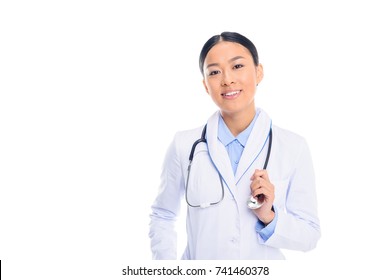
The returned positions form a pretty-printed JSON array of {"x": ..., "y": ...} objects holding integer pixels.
[{"x": 253, "y": 203}]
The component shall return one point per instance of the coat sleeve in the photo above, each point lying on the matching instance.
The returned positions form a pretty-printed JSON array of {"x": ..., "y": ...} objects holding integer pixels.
[
  {"x": 298, "y": 227},
  {"x": 166, "y": 207}
]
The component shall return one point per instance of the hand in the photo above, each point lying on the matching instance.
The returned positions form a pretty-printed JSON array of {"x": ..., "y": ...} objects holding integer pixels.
[{"x": 262, "y": 186}]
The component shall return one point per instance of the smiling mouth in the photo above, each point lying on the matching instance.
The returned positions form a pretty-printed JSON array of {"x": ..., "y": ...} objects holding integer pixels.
[{"x": 231, "y": 93}]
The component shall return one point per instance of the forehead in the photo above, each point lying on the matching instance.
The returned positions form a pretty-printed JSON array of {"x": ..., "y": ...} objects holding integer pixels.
[{"x": 226, "y": 50}]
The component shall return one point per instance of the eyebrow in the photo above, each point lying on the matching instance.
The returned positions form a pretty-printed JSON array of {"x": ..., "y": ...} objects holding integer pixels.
[{"x": 230, "y": 60}]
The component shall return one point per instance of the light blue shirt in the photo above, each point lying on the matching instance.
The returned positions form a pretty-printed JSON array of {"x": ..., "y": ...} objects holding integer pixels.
[
  {"x": 237, "y": 236},
  {"x": 234, "y": 147}
]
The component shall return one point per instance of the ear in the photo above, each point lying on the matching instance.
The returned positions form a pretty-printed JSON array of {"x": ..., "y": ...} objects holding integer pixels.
[
  {"x": 259, "y": 73},
  {"x": 205, "y": 86}
]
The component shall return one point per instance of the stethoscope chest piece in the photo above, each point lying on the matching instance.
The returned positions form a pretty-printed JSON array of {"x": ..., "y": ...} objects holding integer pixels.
[
  {"x": 253, "y": 203},
  {"x": 257, "y": 202}
]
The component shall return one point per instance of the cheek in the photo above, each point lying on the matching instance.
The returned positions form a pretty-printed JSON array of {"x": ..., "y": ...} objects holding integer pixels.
[
  {"x": 250, "y": 83},
  {"x": 212, "y": 86},
  {"x": 249, "y": 79}
]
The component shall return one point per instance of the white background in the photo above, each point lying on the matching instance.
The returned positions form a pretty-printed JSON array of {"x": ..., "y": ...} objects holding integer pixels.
[{"x": 92, "y": 92}]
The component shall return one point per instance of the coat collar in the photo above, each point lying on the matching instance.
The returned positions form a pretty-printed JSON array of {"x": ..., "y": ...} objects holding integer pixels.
[
  {"x": 253, "y": 149},
  {"x": 226, "y": 137},
  {"x": 218, "y": 153},
  {"x": 256, "y": 146}
]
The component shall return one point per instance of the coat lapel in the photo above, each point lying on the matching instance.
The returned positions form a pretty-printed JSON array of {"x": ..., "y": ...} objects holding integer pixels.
[
  {"x": 218, "y": 153},
  {"x": 256, "y": 146}
]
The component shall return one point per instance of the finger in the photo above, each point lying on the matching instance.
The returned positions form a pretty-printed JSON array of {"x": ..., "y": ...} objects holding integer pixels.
[
  {"x": 257, "y": 173},
  {"x": 260, "y": 182},
  {"x": 257, "y": 183},
  {"x": 266, "y": 188},
  {"x": 260, "y": 173},
  {"x": 263, "y": 194},
  {"x": 261, "y": 190}
]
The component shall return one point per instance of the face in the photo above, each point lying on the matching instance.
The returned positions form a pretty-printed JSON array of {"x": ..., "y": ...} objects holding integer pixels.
[{"x": 231, "y": 77}]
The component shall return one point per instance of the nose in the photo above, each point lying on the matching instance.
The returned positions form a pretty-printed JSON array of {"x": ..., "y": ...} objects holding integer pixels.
[{"x": 227, "y": 79}]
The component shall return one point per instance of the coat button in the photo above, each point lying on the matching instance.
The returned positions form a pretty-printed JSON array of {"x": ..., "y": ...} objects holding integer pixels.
[{"x": 233, "y": 240}]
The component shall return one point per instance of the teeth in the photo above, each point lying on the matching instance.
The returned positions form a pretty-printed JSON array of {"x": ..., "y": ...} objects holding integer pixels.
[{"x": 231, "y": 93}]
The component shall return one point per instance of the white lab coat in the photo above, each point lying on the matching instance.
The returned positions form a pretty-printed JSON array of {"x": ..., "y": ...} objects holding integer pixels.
[{"x": 227, "y": 230}]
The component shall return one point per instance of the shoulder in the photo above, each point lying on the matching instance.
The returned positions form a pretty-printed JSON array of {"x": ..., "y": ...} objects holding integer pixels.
[
  {"x": 287, "y": 136},
  {"x": 289, "y": 152},
  {"x": 289, "y": 144},
  {"x": 184, "y": 139}
]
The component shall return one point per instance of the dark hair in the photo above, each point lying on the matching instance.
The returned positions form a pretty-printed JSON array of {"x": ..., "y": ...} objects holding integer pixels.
[{"x": 229, "y": 37}]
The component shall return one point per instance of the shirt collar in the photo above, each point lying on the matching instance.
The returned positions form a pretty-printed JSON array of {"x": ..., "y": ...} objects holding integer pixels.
[{"x": 226, "y": 137}]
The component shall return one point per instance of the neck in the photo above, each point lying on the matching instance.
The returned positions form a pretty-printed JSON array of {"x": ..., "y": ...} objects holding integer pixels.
[{"x": 238, "y": 122}]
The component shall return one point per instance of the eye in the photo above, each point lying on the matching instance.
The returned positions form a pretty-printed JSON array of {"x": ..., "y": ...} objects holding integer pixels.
[
  {"x": 214, "y": 72},
  {"x": 238, "y": 66}
]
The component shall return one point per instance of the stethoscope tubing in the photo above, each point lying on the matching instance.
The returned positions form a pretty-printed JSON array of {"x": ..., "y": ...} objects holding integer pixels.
[{"x": 202, "y": 139}]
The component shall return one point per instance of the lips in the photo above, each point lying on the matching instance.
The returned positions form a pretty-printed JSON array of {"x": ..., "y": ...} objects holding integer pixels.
[{"x": 231, "y": 94}]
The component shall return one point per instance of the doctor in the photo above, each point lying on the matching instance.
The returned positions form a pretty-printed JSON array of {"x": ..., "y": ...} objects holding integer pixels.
[{"x": 229, "y": 165}]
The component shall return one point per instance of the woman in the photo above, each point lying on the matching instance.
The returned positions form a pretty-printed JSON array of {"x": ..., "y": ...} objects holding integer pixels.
[{"x": 230, "y": 167}]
